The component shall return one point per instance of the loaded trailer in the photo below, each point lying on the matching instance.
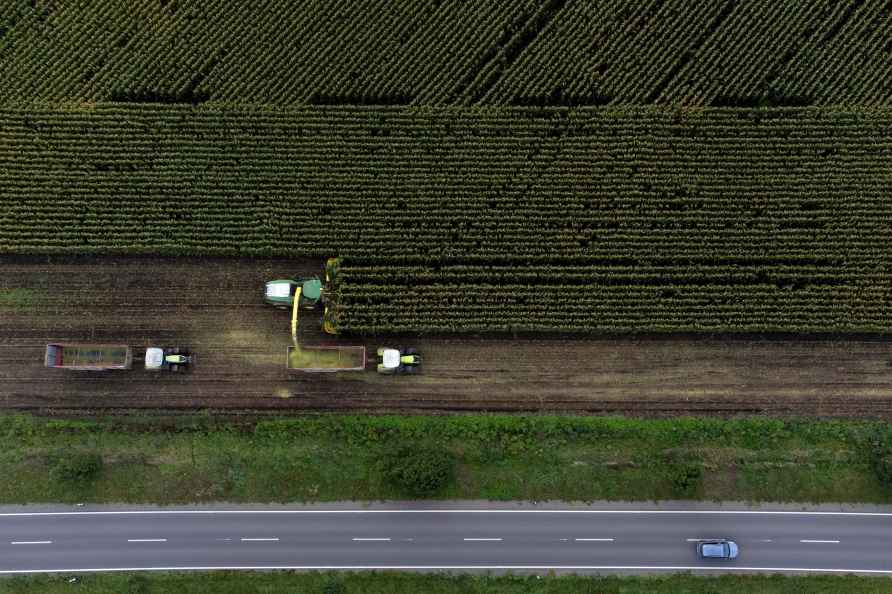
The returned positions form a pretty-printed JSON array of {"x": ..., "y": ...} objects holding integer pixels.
[
  {"x": 88, "y": 357},
  {"x": 320, "y": 359}
]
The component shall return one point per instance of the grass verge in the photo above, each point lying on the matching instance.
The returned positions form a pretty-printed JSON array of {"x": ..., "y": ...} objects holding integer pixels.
[
  {"x": 319, "y": 458},
  {"x": 395, "y": 583}
]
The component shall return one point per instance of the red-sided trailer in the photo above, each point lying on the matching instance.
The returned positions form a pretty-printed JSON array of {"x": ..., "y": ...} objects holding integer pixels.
[{"x": 88, "y": 357}]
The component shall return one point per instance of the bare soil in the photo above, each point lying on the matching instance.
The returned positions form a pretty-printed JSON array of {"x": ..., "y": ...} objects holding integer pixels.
[{"x": 215, "y": 308}]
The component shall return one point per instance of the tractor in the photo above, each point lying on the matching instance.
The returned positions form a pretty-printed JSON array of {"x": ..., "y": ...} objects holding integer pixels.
[
  {"x": 394, "y": 361},
  {"x": 171, "y": 359}
]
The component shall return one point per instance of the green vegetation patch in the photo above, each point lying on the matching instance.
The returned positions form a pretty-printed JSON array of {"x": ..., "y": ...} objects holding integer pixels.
[
  {"x": 326, "y": 458},
  {"x": 395, "y": 583},
  {"x": 19, "y": 298}
]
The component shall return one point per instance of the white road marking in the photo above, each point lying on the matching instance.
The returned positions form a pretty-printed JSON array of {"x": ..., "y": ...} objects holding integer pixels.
[
  {"x": 564, "y": 539},
  {"x": 593, "y": 539},
  {"x": 31, "y": 542},
  {"x": 371, "y": 539},
  {"x": 819, "y": 541},
  {"x": 258, "y": 539},
  {"x": 765, "y": 540},
  {"x": 146, "y": 540},
  {"x": 695, "y": 539},
  {"x": 448, "y": 567},
  {"x": 482, "y": 539}
]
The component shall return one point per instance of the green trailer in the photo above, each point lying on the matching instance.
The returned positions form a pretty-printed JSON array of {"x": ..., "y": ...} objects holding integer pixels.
[
  {"x": 321, "y": 359},
  {"x": 88, "y": 357}
]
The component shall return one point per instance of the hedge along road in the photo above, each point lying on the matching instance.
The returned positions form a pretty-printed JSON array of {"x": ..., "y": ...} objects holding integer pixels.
[
  {"x": 472, "y": 536},
  {"x": 215, "y": 307}
]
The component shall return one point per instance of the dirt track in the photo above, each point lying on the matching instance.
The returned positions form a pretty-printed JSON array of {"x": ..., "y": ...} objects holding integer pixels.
[{"x": 215, "y": 307}]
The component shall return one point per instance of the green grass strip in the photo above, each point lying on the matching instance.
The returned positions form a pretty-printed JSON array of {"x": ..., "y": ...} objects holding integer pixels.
[
  {"x": 394, "y": 583},
  {"x": 326, "y": 458}
]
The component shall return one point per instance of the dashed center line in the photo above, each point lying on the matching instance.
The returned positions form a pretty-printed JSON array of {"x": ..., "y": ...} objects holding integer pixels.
[
  {"x": 821, "y": 541},
  {"x": 31, "y": 542},
  {"x": 146, "y": 540},
  {"x": 371, "y": 539},
  {"x": 482, "y": 539},
  {"x": 593, "y": 539},
  {"x": 258, "y": 539}
]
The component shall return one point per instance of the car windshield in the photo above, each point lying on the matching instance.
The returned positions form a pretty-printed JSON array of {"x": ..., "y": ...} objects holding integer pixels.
[{"x": 714, "y": 550}]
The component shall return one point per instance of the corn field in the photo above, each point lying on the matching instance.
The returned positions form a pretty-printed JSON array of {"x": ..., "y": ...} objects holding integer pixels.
[
  {"x": 449, "y": 219},
  {"x": 449, "y": 52}
]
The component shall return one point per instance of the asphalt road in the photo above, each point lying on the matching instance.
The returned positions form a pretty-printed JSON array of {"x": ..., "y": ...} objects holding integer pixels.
[{"x": 598, "y": 539}]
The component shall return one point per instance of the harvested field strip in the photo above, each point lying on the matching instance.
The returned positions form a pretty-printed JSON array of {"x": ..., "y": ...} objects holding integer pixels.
[
  {"x": 568, "y": 219},
  {"x": 214, "y": 306}
]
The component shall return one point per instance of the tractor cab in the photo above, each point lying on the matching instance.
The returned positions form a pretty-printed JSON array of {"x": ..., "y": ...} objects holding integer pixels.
[
  {"x": 394, "y": 361},
  {"x": 168, "y": 359},
  {"x": 280, "y": 293}
]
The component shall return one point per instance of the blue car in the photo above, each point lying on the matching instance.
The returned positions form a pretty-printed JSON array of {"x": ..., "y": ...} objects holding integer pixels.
[{"x": 717, "y": 549}]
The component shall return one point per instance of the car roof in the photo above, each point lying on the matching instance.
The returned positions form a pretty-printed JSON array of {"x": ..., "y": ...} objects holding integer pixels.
[{"x": 714, "y": 549}]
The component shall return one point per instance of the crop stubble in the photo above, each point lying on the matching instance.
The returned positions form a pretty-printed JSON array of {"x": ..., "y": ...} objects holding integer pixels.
[{"x": 215, "y": 307}]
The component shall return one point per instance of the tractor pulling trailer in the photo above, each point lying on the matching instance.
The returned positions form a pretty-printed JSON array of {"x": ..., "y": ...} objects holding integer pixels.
[
  {"x": 106, "y": 357},
  {"x": 307, "y": 294}
]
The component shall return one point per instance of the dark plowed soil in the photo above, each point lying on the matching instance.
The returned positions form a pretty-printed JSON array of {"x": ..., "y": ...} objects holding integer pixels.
[{"x": 215, "y": 307}]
